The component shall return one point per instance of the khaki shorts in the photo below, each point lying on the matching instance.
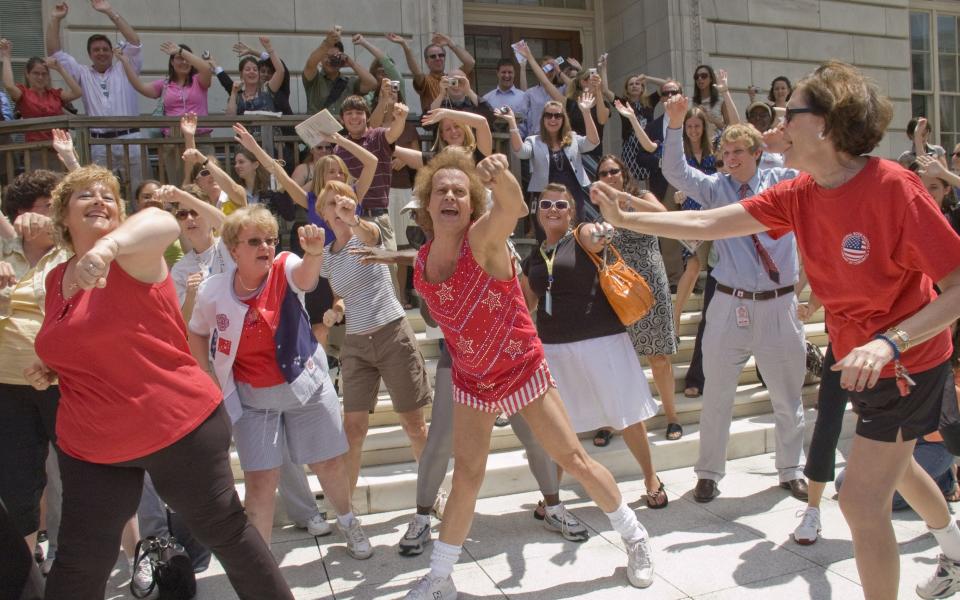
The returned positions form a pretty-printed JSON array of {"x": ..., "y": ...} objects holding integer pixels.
[{"x": 390, "y": 353}]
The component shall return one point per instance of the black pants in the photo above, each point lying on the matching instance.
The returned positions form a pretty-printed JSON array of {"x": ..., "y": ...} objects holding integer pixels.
[
  {"x": 28, "y": 420},
  {"x": 193, "y": 476},
  {"x": 831, "y": 404},
  {"x": 695, "y": 371}
]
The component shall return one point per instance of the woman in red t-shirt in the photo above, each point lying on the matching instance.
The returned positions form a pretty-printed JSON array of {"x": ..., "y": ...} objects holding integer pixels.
[
  {"x": 37, "y": 98},
  {"x": 132, "y": 398},
  {"x": 873, "y": 243}
]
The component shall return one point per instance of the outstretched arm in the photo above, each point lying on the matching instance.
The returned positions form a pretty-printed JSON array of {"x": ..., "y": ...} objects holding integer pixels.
[
  {"x": 235, "y": 192},
  {"x": 57, "y": 15},
  {"x": 213, "y": 215},
  {"x": 412, "y": 63},
  {"x": 290, "y": 186},
  {"x": 6, "y": 49},
  {"x": 627, "y": 113},
  {"x": 278, "y": 69},
  {"x": 539, "y": 74},
  {"x": 128, "y": 32},
  {"x": 138, "y": 84},
  {"x": 367, "y": 159},
  {"x": 318, "y": 55},
  {"x": 467, "y": 61},
  {"x": 204, "y": 75},
  {"x": 494, "y": 227},
  {"x": 476, "y": 122},
  {"x": 74, "y": 89}
]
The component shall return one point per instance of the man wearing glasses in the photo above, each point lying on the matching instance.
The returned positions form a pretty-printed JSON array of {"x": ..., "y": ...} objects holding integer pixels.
[{"x": 435, "y": 56}]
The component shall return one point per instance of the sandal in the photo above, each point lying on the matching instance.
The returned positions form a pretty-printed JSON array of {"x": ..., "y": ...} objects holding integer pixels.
[
  {"x": 657, "y": 499},
  {"x": 602, "y": 438},
  {"x": 674, "y": 431},
  {"x": 692, "y": 392},
  {"x": 954, "y": 495}
]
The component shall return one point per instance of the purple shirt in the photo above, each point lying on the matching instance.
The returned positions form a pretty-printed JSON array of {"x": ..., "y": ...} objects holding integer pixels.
[{"x": 375, "y": 141}]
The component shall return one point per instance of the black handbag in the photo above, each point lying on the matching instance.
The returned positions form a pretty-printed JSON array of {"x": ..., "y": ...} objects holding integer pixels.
[{"x": 172, "y": 570}]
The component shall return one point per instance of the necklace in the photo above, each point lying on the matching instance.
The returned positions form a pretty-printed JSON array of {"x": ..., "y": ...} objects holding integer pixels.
[{"x": 244, "y": 286}]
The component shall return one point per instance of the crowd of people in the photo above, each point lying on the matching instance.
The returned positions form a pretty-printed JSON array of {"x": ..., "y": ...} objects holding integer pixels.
[{"x": 195, "y": 301}]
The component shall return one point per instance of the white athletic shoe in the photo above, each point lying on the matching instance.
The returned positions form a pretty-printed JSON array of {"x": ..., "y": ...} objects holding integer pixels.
[
  {"x": 316, "y": 526},
  {"x": 416, "y": 537},
  {"x": 567, "y": 524},
  {"x": 640, "y": 563},
  {"x": 433, "y": 588},
  {"x": 440, "y": 503},
  {"x": 945, "y": 582},
  {"x": 142, "y": 577},
  {"x": 358, "y": 546},
  {"x": 809, "y": 528}
]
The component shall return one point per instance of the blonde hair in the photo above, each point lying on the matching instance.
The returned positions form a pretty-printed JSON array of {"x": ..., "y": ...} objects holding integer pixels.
[
  {"x": 566, "y": 133},
  {"x": 74, "y": 182},
  {"x": 742, "y": 132},
  {"x": 469, "y": 140},
  {"x": 255, "y": 216},
  {"x": 320, "y": 168},
  {"x": 455, "y": 159},
  {"x": 335, "y": 187}
]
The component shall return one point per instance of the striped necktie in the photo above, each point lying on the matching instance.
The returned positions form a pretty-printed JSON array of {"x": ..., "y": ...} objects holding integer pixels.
[{"x": 765, "y": 259}]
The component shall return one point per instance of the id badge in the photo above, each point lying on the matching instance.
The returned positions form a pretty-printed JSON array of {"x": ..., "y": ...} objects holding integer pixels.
[{"x": 743, "y": 316}]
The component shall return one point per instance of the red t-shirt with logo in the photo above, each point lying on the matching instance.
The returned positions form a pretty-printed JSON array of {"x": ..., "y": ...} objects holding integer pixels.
[{"x": 872, "y": 249}]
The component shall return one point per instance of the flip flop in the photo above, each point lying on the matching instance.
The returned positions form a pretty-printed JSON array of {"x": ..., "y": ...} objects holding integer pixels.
[
  {"x": 602, "y": 438},
  {"x": 657, "y": 499},
  {"x": 674, "y": 431}
]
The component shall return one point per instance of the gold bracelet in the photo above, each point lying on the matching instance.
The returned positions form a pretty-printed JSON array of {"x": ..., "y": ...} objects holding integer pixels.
[{"x": 899, "y": 337}]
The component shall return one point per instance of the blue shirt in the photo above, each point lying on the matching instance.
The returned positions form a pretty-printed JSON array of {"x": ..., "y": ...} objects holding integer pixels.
[{"x": 738, "y": 265}]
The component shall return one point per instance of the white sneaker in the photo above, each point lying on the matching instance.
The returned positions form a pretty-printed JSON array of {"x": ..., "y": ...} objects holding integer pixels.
[
  {"x": 433, "y": 588},
  {"x": 945, "y": 582},
  {"x": 568, "y": 525},
  {"x": 358, "y": 546},
  {"x": 809, "y": 528},
  {"x": 440, "y": 503},
  {"x": 640, "y": 564},
  {"x": 142, "y": 579},
  {"x": 416, "y": 537},
  {"x": 316, "y": 526}
]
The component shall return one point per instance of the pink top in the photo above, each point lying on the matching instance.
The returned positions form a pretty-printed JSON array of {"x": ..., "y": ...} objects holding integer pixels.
[
  {"x": 485, "y": 323},
  {"x": 179, "y": 100}
]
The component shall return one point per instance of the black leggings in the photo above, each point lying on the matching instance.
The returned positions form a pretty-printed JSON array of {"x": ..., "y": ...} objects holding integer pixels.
[
  {"x": 193, "y": 476},
  {"x": 831, "y": 404}
]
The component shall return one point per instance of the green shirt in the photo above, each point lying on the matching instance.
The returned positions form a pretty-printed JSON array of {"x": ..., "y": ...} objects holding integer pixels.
[
  {"x": 319, "y": 88},
  {"x": 173, "y": 253},
  {"x": 392, "y": 73}
]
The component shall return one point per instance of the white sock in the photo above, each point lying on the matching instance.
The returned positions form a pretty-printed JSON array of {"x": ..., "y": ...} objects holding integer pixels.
[
  {"x": 422, "y": 519},
  {"x": 624, "y": 520},
  {"x": 555, "y": 510},
  {"x": 949, "y": 539},
  {"x": 443, "y": 558},
  {"x": 345, "y": 519}
]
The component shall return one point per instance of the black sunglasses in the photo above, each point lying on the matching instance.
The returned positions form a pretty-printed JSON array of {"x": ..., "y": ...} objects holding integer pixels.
[
  {"x": 547, "y": 115},
  {"x": 434, "y": 56},
  {"x": 203, "y": 172},
  {"x": 788, "y": 116},
  {"x": 669, "y": 93},
  {"x": 609, "y": 172},
  {"x": 183, "y": 213},
  {"x": 257, "y": 242},
  {"x": 558, "y": 204}
]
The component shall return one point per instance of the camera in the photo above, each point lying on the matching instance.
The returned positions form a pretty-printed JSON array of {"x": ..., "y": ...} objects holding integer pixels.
[
  {"x": 338, "y": 60},
  {"x": 205, "y": 55},
  {"x": 394, "y": 85},
  {"x": 592, "y": 71},
  {"x": 453, "y": 81}
]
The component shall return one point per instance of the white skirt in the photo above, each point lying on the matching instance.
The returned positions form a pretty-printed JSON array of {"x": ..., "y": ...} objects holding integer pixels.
[{"x": 601, "y": 382}]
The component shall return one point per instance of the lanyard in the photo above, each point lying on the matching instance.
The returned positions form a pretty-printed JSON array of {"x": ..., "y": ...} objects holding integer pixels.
[{"x": 548, "y": 261}]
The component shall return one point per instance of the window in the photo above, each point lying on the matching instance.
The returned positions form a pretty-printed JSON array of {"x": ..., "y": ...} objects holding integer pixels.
[
  {"x": 21, "y": 22},
  {"x": 580, "y": 4},
  {"x": 935, "y": 72}
]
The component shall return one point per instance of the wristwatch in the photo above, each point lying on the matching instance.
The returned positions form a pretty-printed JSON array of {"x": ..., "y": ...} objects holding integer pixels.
[{"x": 898, "y": 337}]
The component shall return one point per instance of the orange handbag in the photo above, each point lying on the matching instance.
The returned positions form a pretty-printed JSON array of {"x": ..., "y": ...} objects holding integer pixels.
[{"x": 626, "y": 290}]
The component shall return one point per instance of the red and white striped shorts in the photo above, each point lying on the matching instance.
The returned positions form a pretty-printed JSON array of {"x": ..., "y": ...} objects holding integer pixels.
[{"x": 509, "y": 405}]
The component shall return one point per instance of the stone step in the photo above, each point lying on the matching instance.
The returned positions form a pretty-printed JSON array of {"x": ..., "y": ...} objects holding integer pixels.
[{"x": 393, "y": 487}]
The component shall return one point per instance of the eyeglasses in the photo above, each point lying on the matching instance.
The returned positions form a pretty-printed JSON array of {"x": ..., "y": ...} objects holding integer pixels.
[
  {"x": 702, "y": 76},
  {"x": 669, "y": 93},
  {"x": 609, "y": 172},
  {"x": 203, "y": 173},
  {"x": 257, "y": 242},
  {"x": 183, "y": 213},
  {"x": 557, "y": 204},
  {"x": 547, "y": 115},
  {"x": 436, "y": 56},
  {"x": 957, "y": 153},
  {"x": 788, "y": 116}
]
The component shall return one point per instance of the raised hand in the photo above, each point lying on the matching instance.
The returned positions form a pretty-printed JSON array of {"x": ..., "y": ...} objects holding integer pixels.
[
  {"x": 52, "y": 63},
  {"x": 242, "y": 49},
  {"x": 167, "y": 194},
  {"x": 30, "y": 225},
  {"x": 752, "y": 93},
  {"x": 774, "y": 140},
  {"x": 193, "y": 283},
  {"x": 60, "y": 10},
  {"x": 243, "y": 136},
  {"x": 721, "y": 83},
  {"x": 7, "y": 275},
  {"x": 505, "y": 113},
  {"x": 524, "y": 50},
  {"x": 922, "y": 127},
  {"x": 607, "y": 200},
  {"x": 169, "y": 48},
  {"x": 492, "y": 168},
  {"x": 586, "y": 101},
  {"x": 441, "y": 39},
  {"x": 39, "y": 375},
  {"x": 119, "y": 54},
  {"x": 675, "y": 108},
  {"x": 358, "y": 40},
  {"x": 62, "y": 141},
  {"x": 265, "y": 42},
  {"x": 346, "y": 210},
  {"x": 193, "y": 156},
  {"x": 6, "y": 48},
  {"x": 237, "y": 88},
  {"x": 93, "y": 267},
  {"x": 386, "y": 90},
  {"x": 930, "y": 165},
  {"x": 400, "y": 111},
  {"x": 312, "y": 239},
  {"x": 625, "y": 111},
  {"x": 396, "y": 39},
  {"x": 101, "y": 6},
  {"x": 188, "y": 124},
  {"x": 435, "y": 116}
]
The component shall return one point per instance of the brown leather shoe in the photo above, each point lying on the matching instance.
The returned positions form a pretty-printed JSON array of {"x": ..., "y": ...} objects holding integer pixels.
[
  {"x": 797, "y": 487},
  {"x": 706, "y": 490}
]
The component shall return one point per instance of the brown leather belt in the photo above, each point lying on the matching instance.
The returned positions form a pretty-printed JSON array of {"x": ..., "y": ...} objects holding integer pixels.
[{"x": 755, "y": 295}]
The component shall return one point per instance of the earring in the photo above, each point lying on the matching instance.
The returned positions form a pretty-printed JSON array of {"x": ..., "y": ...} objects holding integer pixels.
[{"x": 820, "y": 136}]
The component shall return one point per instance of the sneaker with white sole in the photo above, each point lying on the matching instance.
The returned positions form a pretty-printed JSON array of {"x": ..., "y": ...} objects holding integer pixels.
[
  {"x": 944, "y": 583},
  {"x": 316, "y": 526},
  {"x": 358, "y": 546},
  {"x": 416, "y": 538},
  {"x": 142, "y": 581},
  {"x": 640, "y": 563},
  {"x": 808, "y": 530},
  {"x": 433, "y": 588},
  {"x": 440, "y": 504},
  {"x": 566, "y": 524}
]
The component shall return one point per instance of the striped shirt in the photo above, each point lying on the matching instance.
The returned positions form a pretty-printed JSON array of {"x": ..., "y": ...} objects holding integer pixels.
[
  {"x": 367, "y": 290},
  {"x": 374, "y": 139}
]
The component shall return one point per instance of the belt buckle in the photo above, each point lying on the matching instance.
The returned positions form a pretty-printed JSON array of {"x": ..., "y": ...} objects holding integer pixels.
[{"x": 739, "y": 293}]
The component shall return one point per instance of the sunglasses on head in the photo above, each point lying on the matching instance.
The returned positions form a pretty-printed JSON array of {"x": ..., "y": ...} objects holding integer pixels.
[
  {"x": 183, "y": 213},
  {"x": 558, "y": 204},
  {"x": 609, "y": 172},
  {"x": 669, "y": 93},
  {"x": 550, "y": 115},
  {"x": 257, "y": 242}
]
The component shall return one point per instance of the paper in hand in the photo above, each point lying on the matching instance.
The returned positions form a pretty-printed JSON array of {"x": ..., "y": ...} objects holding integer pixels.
[{"x": 318, "y": 128}]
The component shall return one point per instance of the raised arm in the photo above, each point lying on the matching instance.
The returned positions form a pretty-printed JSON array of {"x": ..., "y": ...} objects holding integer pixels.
[
  {"x": 492, "y": 229},
  {"x": 729, "y": 108},
  {"x": 367, "y": 159},
  {"x": 585, "y": 103},
  {"x": 467, "y": 61},
  {"x": 171, "y": 193},
  {"x": 74, "y": 89},
  {"x": 918, "y": 134},
  {"x": 595, "y": 85},
  {"x": 128, "y": 32},
  {"x": 400, "y": 111},
  {"x": 367, "y": 81},
  {"x": 384, "y": 108},
  {"x": 407, "y": 158},
  {"x": 728, "y": 221},
  {"x": 608, "y": 94},
  {"x": 63, "y": 145},
  {"x": 367, "y": 232},
  {"x": 318, "y": 55},
  {"x": 235, "y": 192},
  {"x": 6, "y": 49},
  {"x": 226, "y": 82},
  {"x": 412, "y": 63},
  {"x": 307, "y": 273},
  {"x": 627, "y": 113},
  {"x": 278, "y": 69},
  {"x": 57, "y": 15},
  {"x": 516, "y": 142},
  {"x": 204, "y": 75},
  {"x": 476, "y": 122},
  {"x": 682, "y": 176},
  {"x": 931, "y": 165},
  {"x": 539, "y": 74},
  {"x": 288, "y": 184},
  {"x": 235, "y": 90},
  {"x": 138, "y": 84}
]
